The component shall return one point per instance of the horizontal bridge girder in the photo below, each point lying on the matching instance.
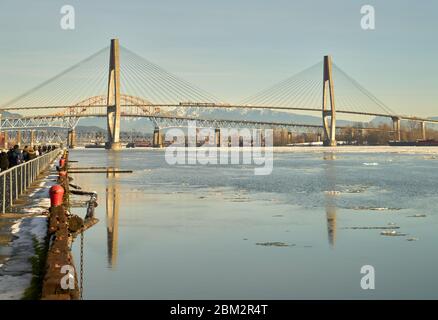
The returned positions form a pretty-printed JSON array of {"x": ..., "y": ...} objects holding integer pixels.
[
  {"x": 26, "y": 123},
  {"x": 79, "y": 110},
  {"x": 161, "y": 121}
]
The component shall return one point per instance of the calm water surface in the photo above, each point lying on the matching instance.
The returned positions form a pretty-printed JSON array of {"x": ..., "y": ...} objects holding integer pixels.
[{"x": 194, "y": 232}]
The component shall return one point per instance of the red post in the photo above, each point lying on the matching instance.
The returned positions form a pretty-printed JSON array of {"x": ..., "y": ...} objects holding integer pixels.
[{"x": 56, "y": 195}]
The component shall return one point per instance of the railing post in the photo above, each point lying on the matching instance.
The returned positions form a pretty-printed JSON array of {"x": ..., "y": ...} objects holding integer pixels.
[
  {"x": 21, "y": 180},
  {"x": 4, "y": 194},
  {"x": 25, "y": 176},
  {"x": 10, "y": 188},
  {"x": 16, "y": 183}
]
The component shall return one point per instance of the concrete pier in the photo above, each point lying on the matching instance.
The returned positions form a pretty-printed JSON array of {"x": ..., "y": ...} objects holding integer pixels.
[
  {"x": 157, "y": 139},
  {"x": 6, "y": 139},
  {"x": 396, "y": 127},
  {"x": 217, "y": 136},
  {"x": 423, "y": 130},
  {"x": 71, "y": 139},
  {"x": 32, "y": 138},
  {"x": 18, "y": 140}
]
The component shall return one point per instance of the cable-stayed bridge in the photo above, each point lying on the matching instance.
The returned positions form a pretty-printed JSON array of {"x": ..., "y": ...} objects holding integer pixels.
[{"x": 131, "y": 86}]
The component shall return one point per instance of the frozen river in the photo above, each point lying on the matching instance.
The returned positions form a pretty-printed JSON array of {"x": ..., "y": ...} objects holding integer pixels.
[{"x": 304, "y": 231}]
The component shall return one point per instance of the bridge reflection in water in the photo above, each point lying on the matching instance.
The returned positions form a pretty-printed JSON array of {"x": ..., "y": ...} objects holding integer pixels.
[
  {"x": 112, "y": 210},
  {"x": 113, "y": 204},
  {"x": 330, "y": 194}
]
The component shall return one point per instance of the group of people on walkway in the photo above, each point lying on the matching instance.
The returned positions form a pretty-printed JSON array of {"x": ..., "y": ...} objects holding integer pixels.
[{"x": 16, "y": 156}]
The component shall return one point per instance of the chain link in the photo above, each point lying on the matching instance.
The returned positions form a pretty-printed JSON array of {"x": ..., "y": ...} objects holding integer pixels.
[{"x": 82, "y": 265}]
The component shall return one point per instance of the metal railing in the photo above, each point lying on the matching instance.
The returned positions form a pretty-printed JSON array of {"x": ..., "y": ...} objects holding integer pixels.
[{"x": 15, "y": 181}]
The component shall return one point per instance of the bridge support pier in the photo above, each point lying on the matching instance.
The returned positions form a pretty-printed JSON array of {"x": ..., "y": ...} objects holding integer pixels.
[
  {"x": 329, "y": 129},
  {"x": 289, "y": 137},
  {"x": 217, "y": 136},
  {"x": 32, "y": 138},
  {"x": 396, "y": 128},
  {"x": 423, "y": 130},
  {"x": 18, "y": 142},
  {"x": 6, "y": 137},
  {"x": 113, "y": 98},
  {"x": 71, "y": 139},
  {"x": 157, "y": 139}
]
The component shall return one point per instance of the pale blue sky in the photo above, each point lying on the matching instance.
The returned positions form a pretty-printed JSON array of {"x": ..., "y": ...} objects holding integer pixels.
[{"x": 233, "y": 48}]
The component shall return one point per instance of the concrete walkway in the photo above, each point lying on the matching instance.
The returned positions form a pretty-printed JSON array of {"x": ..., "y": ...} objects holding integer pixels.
[{"x": 17, "y": 236}]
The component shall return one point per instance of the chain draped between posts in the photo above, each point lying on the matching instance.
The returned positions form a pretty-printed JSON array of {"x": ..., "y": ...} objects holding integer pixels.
[{"x": 82, "y": 266}]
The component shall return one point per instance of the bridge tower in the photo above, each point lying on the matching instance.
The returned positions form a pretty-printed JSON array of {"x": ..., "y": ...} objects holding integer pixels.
[
  {"x": 113, "y": 98},
  {"x": 329, "y": 129}
]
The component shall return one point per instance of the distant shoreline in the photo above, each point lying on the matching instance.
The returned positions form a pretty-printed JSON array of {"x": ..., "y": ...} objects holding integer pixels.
[{"x": 306, "y": 149}]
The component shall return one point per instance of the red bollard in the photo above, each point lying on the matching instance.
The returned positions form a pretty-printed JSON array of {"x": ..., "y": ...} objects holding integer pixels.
[
  {"x": 61, "y": 162},
  {"x": 56, "y": 195}
]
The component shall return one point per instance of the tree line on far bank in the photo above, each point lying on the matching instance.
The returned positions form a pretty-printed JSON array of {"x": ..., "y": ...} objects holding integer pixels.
[{"x": 409, "y": 131}]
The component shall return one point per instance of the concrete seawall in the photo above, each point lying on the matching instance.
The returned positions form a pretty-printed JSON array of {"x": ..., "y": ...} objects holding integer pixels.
[{"x": 61, "y": 278}]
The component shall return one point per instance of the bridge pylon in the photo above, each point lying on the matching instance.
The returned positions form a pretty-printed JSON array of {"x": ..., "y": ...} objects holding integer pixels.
[
  {"x": 113, "y": 98},
  {"x": 328, "y": 91},
  {"x": 396, "y": 128}
]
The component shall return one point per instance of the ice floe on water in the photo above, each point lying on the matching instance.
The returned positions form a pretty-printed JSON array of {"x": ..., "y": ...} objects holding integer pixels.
[
  {"x": 392, "y": 233},
  {"x": 371, "y": 227},
  {"x": 332, "y": 192},
  {"x": 359, "y": 149},
  {"x": 274, "y": 244},
  {"x": 347, "y": 190},
  {"x": 355, "y": 189},
  {"x": 374, "y": 208},
  {"x": 430, "y": 157},
  {"x": 370, "y": 163}
]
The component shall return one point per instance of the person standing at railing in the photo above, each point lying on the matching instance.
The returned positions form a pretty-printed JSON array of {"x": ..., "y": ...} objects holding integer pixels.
[
  {"x": 32, "y": 153},
  {"x": 40, "y": 151},
  {"x": 26, "y": 154},
  {"x": 4, "y": 161},
  {"x": 15, "y": 156}
]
